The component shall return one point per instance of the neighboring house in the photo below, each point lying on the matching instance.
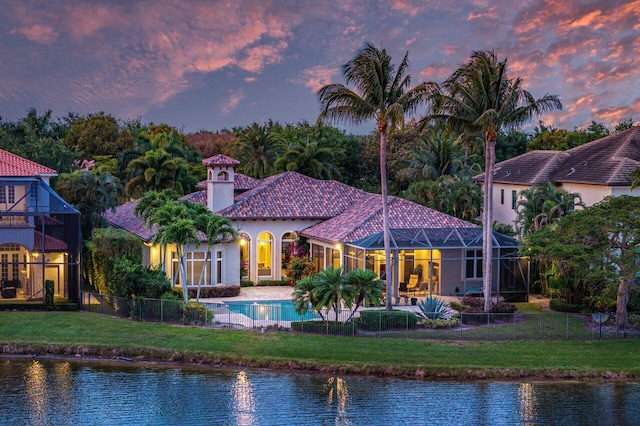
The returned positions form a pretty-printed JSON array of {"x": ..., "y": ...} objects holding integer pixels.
[
  {"x": 39, "y": 234},
  {"x": 341, "y": 224},
  {"x": 594, "y": 170}
]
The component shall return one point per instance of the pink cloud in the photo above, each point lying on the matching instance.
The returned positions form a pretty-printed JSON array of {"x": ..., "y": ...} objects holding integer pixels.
[
  {"x": 38, "y": 33},
  {"x": 316, "y": 78},
  {"x": 232, "y": 102}
]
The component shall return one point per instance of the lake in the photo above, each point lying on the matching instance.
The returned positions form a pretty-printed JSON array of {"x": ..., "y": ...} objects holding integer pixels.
[{"x": 63, "y": 392}]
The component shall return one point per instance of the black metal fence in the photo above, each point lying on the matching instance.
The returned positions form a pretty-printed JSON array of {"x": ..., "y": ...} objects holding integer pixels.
[{"x": 369, "y": 322}]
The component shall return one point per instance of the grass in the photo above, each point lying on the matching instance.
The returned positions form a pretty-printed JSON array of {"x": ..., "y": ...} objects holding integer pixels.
[{"x": 70, "y": 333}]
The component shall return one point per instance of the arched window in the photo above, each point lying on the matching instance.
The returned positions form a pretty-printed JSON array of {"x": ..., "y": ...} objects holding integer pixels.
[
  {"x": 265, "y": 255},
  {"x": 245, "y": 264},
  {"x": 210, "y": 175},
  {"x": 223, "y": 176},
  {"x": 286, "y": 245}
]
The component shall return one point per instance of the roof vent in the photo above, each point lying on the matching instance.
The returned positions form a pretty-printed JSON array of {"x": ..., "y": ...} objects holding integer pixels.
[{"x": 573, "y": 170}]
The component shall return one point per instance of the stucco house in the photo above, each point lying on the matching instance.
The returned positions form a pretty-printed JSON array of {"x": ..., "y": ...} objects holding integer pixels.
[
  {"x": 594, "y": 170},
  {"x": 39, "y": 234},
  {"x": 341, "y": 224}
]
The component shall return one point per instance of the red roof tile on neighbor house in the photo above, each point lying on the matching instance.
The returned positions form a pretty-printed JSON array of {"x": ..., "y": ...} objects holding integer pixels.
[
  {"x": 291, "y": 195},
  {"x": 364, "y": 218},
  {"x": 14, "y": 165}
]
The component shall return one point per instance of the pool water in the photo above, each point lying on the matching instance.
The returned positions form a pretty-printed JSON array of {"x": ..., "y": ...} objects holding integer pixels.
[{"x": 271, "y": 310}]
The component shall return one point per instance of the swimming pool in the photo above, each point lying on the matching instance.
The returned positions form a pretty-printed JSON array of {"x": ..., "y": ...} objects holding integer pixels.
[{"x": 270, "y": 310}]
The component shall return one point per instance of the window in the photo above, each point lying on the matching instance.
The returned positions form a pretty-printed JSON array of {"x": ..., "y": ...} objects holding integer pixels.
[
  {"x": 286, "y": 245},
  {"x": 317, "y": 257},
  {"x": 514, "y": 199},
  {"x": 244, "y": 255},
  {"x": 473, "y": 268},
  {"x": 502, "y": 196},
  {"x": 218, "y": 267},
  {"x": 195, "y": 268},
  {"x": 265, "y": 241},
  {"x": 333, "y": 257},
  {"x": 3, "y": 195},
  {"x": 12, "y": 194}
]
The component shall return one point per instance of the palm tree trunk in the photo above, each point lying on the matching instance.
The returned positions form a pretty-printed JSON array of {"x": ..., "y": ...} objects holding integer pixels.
[
  {"x": 487, "y": 220},
  {"x": 622, "y": 299},
  {"x": 385, "y": 222}
]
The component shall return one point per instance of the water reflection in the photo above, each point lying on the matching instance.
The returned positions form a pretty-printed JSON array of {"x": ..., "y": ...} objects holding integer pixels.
[
  {"x": 68, "y": 393},
  {"x": 244, "y": 405}
]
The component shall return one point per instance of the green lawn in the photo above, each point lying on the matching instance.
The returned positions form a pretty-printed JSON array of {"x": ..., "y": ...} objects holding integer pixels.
[{"x": 101, "y": 335}]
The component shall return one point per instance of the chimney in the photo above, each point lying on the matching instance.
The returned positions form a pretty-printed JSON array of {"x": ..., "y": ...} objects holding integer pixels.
[{"x": 220, "y": 181}]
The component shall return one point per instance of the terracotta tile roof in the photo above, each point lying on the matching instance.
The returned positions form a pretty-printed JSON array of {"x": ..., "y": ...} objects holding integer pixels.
[
  {"x": 364, "y": 218},
  {"x": 50, "y": 243},
  {"x": 349, "y": 213},
  {"x": 290, "y": 195},
  {"x": 220, "y": 160},
  {"x": 14, "y": 165},
  {"x": 123, "y": 218},
  {"x": 606, "y": 161},
  {"x": 241, "y": 183}
]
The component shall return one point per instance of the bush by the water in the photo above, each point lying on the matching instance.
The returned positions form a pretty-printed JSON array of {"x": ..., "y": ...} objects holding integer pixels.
[
  {"x": 476, "y": 305},
  {"x": 325, "y": 327},
  {"x": 381, "y": 320},
  {"x": 217, "y": 291}
]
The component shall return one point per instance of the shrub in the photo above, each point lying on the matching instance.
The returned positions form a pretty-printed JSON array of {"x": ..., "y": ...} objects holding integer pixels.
[
  {"x": 504, "y": 308},
  {"x": 381, "y": 320},
  {"x": 217, "y": 291},
  {"x": 270, "y": 283},
  {"x": 634, "y": 299},
  {"x": 106, "y": 246},
  {"x": 247, "y": 283},
  {"x": 129, "y": 278},
  {"x": 457, "y": 306},
  {"x": 439, "y": 323},
  {"x": 197, "y": 313},
  {"x": 325, "y": 327},
  {"x": 562, "y": 306},
  {"x": 473, "y": 302},
  {"x": 433, "y": 308}
]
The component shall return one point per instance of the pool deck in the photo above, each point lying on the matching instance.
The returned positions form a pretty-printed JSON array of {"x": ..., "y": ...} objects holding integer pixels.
[{"x": 284, "y": 293}]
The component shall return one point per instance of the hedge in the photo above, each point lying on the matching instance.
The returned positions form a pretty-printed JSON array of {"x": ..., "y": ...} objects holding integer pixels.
[{"x": 381, "y": 320}]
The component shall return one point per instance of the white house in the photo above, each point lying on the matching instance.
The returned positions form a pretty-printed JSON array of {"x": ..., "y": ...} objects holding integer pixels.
[
  {"x": 594, "y": 170},
  {"x": 341, "y": 224}
]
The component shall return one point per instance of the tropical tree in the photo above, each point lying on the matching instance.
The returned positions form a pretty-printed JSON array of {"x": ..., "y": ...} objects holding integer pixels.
[
  {"x": 480, "y": 99},
  {"x": 304, "y": 296},
  {"x": 380, "y": 92},
  {"x": 332, "y": 289},
  {"x": 367, "y": 289},
  {"x": 604, "y": 235},
  {"x": 310, "y": 158},
  {"x": 456, "y": 195},
  {"x": 257, "y": 148},
  {"x": 216, "y": 229},
  {"x": 180, "y": 232},
  {"x": 157, "y": 170},
  {"x": 541, "y": 205},
  {"x": 435, "y": 155},
  {"x": 92, "y": 193}
]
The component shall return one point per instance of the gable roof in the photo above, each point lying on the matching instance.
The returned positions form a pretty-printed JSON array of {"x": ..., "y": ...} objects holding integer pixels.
[
  {"x": 291, "y": 195},
  {"x": 364, "y": 218},
  {"x": 607, "y": 161},
  {"x": 14, "y": 165}
]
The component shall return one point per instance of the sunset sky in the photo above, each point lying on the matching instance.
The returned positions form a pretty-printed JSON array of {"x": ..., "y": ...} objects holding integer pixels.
[{"x": 209, "y": 65}]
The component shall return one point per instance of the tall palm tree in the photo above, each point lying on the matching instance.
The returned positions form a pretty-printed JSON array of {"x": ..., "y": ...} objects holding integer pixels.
[
  {"x": 480, "y": 99},
  {"x": 380, "y": 92},
  {"x": 158, "y": 170},
  {"x": 257, "y": 148},
  {"x": 541, "y": 205}
]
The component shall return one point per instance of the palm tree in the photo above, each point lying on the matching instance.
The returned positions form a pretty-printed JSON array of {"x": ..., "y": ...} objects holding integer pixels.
[
  {"x": 304, "y": 297},
  {"x": 92, "y": 193},
  {"x": 180, "y": 232},
  {"x": 478, "y": 99},
  {"x": 311, "y": 159},
  {"x": 332, "y": 289},
  {"x": 366, "y": 287},
  {"x": 216, "y": 229},
  {"x": 158, "y": 170},
  {"x": 257, "y": 148},
  {"x": 541, "y": 205},
  {"x": 380, "y": 92}
]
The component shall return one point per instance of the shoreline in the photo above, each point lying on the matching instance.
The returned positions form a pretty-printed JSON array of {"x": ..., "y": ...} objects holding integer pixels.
[{"x": 181, "y": 359}]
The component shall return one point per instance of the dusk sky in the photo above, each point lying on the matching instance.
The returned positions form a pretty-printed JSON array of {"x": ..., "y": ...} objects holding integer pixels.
[{"x": 209, "y": 65}]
